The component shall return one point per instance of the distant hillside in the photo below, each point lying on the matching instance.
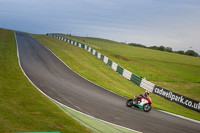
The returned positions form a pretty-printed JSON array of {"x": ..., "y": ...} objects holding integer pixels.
[{"x": 167, "y": 49}]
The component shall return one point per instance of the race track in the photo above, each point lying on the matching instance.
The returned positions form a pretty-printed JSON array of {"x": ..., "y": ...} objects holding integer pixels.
[{"x": 59, "y": 82}]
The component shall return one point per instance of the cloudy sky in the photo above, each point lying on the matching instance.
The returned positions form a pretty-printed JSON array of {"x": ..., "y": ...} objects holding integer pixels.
[{"x": 171, "y": 23}]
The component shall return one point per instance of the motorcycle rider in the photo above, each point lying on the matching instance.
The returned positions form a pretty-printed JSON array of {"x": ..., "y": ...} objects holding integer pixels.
[{"x": 145, "y": 94}]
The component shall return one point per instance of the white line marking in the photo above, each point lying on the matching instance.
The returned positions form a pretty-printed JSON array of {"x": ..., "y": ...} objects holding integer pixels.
[
  {"x": 78, "y": 107},
  {"x": 117, "y": 118},
  {"x": 179, "y": 116}
]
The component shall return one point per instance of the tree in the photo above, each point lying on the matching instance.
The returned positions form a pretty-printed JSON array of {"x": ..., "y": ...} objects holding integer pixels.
[
  {"x": 153, "y": 47},
  {"x": 180, "y": 52},
  {"x": 168, "y": 49},
  {"x": 191, "y": 53},
  {"x": 161, "y": 48},
  {"x": 137, "y": 45}
]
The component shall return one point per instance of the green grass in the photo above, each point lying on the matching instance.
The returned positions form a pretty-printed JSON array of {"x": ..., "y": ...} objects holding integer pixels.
[
  {"x": 93, "y": 124},
  {"x": 95, "y": 70},
  {"x": 178, "y": 73},
  {"x": 22, "y": 107}
]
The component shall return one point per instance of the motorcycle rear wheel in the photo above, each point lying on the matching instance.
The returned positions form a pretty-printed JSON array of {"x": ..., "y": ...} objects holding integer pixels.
[{"x": 129, "y": 103}]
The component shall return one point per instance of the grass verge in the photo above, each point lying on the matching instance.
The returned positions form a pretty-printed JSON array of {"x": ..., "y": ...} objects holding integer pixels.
[
  {"x": 22, "y": 107},
  {"x": 95, "y": 125}
]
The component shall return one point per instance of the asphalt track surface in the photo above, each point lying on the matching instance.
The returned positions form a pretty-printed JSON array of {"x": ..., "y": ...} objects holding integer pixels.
[{"x": 59, "y": 82}]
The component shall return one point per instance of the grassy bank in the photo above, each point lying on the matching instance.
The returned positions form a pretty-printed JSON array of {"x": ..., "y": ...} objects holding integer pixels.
[
  {"x": 22, "y": 107},
  {"x": 93, "y": 69},
  {"x": 175, "y": 72}
]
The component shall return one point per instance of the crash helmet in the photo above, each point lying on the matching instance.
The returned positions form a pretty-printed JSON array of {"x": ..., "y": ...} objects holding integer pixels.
[{"x": 146, "y": 93}]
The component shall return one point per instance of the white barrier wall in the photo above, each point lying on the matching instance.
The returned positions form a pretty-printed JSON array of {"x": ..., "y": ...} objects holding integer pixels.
[
  {"x": 147, "y": 85},
  {"x": 99, "y": 55},
  {"x": 94, "y": 51},
  {"x": 114, "y": 66},
  {"x": 127, "y": 74},
  {"x": 105, "y": 59}
]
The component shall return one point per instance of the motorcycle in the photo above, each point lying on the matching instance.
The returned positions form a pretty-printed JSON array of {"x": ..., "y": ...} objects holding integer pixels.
[{"x": 142, "y": 103}]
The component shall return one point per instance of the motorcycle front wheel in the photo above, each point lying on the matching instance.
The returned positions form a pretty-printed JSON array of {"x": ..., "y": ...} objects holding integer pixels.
[
  {"x": 129, "y": 103},
  {"x": 147, "y": 107}
]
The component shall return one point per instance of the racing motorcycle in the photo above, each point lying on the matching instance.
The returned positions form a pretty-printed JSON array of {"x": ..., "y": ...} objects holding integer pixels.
[{"x": 141, "y": 103}]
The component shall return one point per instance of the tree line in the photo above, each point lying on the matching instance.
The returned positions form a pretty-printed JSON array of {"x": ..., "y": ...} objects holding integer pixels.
[{"x": 167, "y": 49}]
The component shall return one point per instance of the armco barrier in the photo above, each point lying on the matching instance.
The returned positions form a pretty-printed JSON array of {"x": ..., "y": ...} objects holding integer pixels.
[
  {"x": 109, "y": 62},
  {"x": 120, "y": 70},
  {"x": 135, "y": 79},
  {"x": 96, "y": 53},
  {"x": 143, "y": 83},
  {"x": 125, "y": 73},
  {"x": 102, "y": 57}
]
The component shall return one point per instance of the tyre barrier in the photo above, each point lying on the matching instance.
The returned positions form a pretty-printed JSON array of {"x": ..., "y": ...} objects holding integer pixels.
[{"x": 141, "y": 82}]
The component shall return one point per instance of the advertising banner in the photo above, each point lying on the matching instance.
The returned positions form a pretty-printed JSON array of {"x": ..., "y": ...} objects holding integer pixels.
[{"x": 177, "y": 98}]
